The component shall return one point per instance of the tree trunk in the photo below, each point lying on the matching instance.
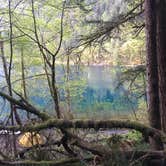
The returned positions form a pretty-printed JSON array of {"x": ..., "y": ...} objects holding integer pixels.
[
  {"x": 161, "y": 52},
  {"x": 152, "y": 69},
  {"x": 23, "y": 77},
  {"x": 68, "y": 97}
]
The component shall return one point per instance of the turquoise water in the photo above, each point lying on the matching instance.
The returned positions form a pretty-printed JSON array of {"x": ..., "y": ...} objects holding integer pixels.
[{"x": 91, "y": 91}]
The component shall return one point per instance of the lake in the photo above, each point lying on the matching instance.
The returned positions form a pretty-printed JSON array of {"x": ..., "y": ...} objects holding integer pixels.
[{"x": 91, "y": 91}]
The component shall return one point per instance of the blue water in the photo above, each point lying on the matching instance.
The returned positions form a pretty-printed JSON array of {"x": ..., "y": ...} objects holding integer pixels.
[{"x": 93, "y": 92}]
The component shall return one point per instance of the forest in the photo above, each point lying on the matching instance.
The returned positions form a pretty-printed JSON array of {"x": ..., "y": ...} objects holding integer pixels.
[{"x": 82, "y": 82}]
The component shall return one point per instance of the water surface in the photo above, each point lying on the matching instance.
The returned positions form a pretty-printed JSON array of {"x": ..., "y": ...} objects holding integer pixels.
[{"x": 91, "y": 91}]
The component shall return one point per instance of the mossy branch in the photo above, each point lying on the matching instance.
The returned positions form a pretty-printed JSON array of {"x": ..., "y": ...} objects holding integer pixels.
[{"x": 86, "y": 124}]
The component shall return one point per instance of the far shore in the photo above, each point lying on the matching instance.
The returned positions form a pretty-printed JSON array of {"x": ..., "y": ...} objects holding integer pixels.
[{"x": 100, "y": 64}]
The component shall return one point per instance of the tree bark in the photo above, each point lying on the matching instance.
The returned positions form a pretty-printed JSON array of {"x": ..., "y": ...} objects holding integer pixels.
[
  {"x": 161, "y": 52},
  {"x": 152, "y": 69},
  {"x": 23, "y": 78}
]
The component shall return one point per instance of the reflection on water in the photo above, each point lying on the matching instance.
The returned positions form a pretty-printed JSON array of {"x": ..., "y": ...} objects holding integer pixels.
[
  {"x": 101, "y": 94},
  {"x": 91, "y": 91}
]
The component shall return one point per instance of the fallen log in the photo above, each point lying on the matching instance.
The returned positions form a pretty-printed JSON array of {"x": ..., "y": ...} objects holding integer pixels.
[{"x": 87, "y": 124}]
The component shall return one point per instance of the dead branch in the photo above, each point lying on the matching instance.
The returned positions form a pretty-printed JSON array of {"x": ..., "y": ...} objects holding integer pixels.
[{"x": 26, "y": 106}]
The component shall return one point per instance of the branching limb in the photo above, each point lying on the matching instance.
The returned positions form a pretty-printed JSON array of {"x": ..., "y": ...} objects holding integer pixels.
[{"x": 28, "y": 107}]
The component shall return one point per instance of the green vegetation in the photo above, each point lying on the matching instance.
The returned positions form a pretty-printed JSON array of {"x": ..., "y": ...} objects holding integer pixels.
[{"x": 78, "y": 74}]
